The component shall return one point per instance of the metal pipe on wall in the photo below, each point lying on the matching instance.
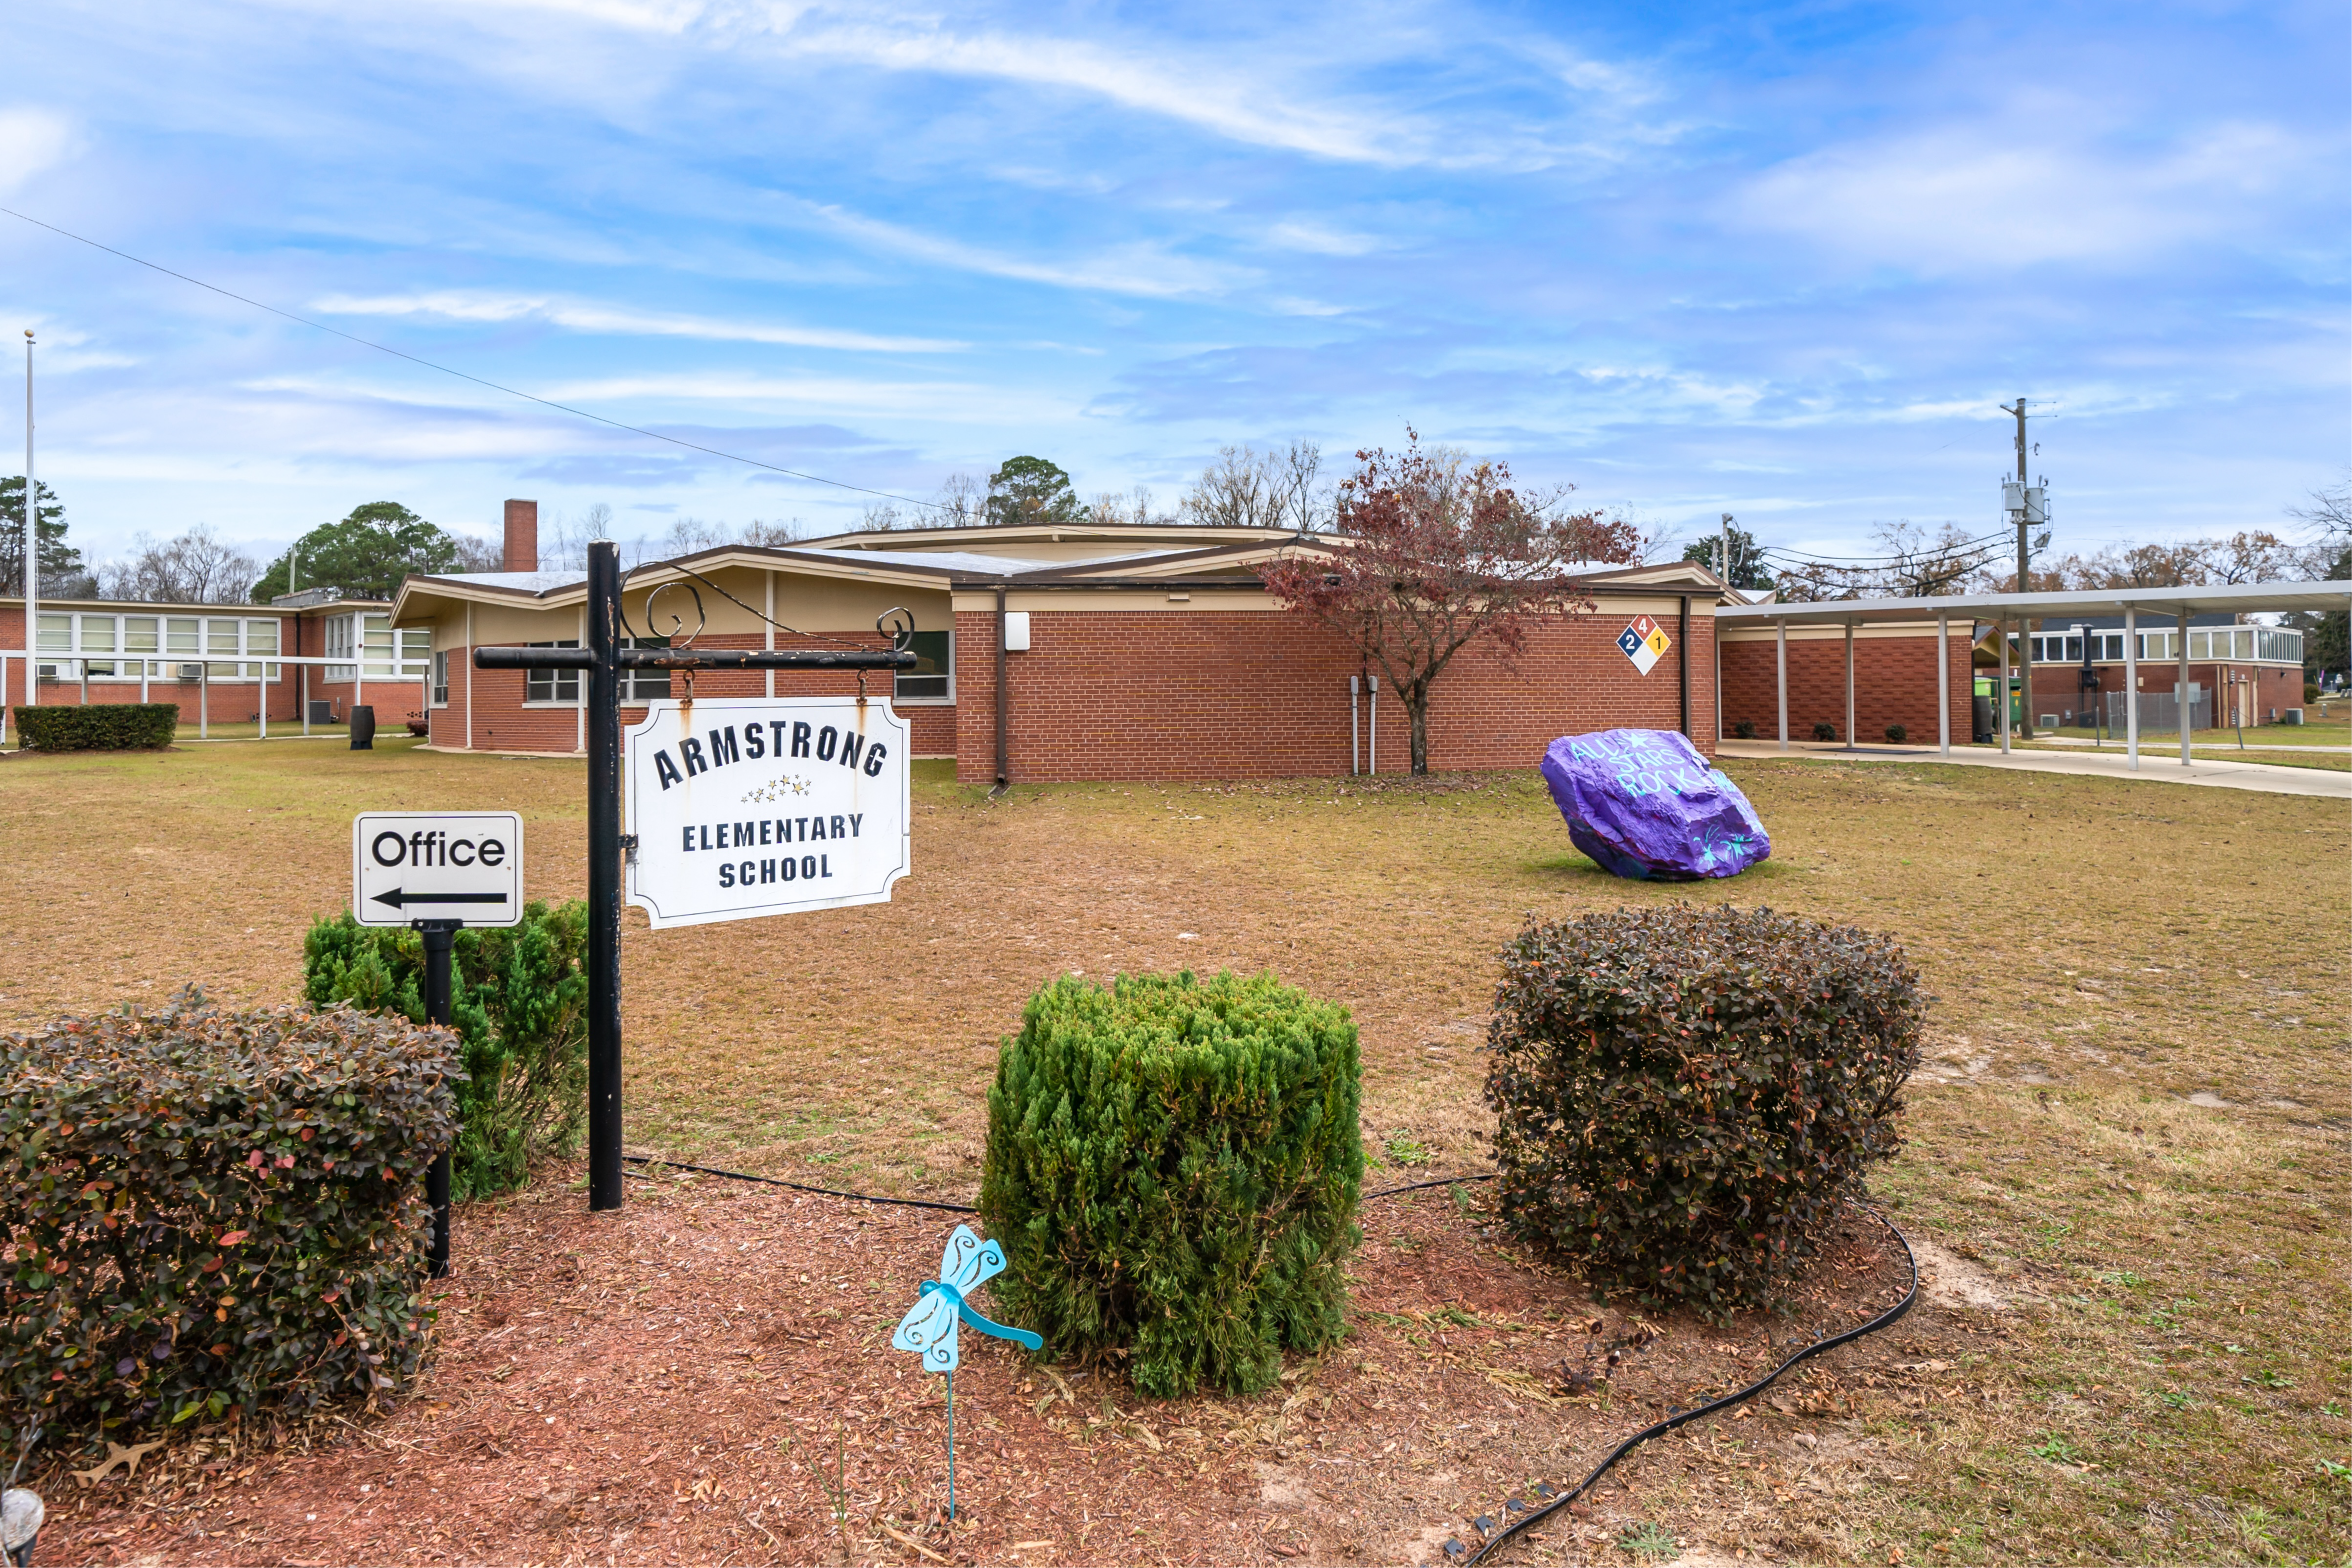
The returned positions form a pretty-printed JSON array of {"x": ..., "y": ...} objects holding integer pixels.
[
  {"x": 1374, "y": 753},
  {"x": 1355, "y": 739},
  {"x": 1682, "y": 662},
  {"x": 1003, "y": 765},
  {"x": 1780, "y": 671}
]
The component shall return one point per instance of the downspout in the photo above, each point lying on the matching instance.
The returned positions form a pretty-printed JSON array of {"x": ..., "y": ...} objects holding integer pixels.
[
  {"x": 1682, "y": 662},
  {"x": 1003, "y": 705}
]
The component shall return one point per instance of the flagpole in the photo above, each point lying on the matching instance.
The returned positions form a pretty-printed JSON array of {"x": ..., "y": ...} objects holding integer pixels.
[{"x": 32, "y": 583}]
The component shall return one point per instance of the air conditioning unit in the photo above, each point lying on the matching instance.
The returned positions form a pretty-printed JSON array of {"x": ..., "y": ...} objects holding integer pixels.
[
  {"x": 49, "y": 672},
  {"x": 192, "y": 671}
]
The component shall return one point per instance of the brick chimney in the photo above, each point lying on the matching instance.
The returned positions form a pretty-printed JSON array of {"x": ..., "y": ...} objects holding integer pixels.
[{"x": 522, "y": 536}]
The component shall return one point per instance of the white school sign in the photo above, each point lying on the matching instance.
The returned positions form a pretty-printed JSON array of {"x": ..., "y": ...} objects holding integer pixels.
[{"x": 749, "y": 806}]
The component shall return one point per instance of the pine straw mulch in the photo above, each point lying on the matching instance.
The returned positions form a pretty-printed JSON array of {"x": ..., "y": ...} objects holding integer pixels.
[{"x": 706, "y": 1376}]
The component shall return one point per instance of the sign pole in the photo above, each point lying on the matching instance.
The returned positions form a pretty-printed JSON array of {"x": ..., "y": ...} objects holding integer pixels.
[
  {"x": 604, "y": 658},
  {"x": 603, "y": 875},
  {"x": 439, "y": 937}
]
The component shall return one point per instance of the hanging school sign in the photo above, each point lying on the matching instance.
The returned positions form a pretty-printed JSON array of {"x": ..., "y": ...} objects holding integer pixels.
[{"x": 746, "y": 807}]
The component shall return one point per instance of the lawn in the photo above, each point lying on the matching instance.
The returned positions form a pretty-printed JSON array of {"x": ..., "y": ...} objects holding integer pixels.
[{"x": 2130, "y": 1127}]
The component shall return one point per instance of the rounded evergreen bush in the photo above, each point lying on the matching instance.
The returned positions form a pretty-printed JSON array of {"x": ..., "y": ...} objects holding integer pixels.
[
  {"x": 1686, "y": 1096},
  {"x": 1172, "y": 1169},
  {"x": 1897, "y": 734},
  {"x": 1824, "y": 730}
]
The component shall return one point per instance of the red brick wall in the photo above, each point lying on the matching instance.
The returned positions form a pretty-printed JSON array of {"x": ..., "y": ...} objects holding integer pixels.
[
  {"x": 1242, "y": 694},
  {"x": 2057, "y": 689},
  {"x": 1894, "y": 683},
  {"x": 503, "y": 723}
]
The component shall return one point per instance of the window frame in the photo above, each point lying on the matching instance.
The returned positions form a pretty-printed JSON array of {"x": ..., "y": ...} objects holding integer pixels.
[
  {"x": 945, "y": 698},
  {"x": 554, "y": 681}
]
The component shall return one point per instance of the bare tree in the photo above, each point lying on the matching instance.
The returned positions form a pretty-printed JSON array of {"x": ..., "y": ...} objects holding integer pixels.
[
  {"x": 1136, "y": 508},
  {"x": 479, "y": 554},
  {"x": 1247, "y": 488},
  {"x": 962, "y": 504},
  {"x": 756, "y": 532},
  {"x": 194, "y": 569},
  {"x": 1436, "y": 553}
]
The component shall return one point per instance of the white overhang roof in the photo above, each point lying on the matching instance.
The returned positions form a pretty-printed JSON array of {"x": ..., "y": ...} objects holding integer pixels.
[{"x": 2233, "y": 598}]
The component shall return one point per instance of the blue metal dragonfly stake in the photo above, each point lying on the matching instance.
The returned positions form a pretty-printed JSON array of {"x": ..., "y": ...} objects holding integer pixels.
[{"x": 929, "y": 1328}]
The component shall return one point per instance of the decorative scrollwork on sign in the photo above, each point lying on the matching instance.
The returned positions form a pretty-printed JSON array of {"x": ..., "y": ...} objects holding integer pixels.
[
  {"x": 678, "y": 636},
  {"x": 898, "y": 624}
]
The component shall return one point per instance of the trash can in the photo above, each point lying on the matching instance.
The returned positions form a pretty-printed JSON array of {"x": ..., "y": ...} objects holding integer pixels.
[
  {"x": 1980, "y": 720},
  {"x": 363, "y": 728}
]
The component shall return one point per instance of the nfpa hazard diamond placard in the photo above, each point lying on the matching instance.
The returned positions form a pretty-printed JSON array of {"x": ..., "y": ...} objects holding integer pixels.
[{"x": 1644, "y": 642}]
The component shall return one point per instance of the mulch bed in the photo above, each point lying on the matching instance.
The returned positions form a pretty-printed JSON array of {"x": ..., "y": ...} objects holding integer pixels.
[{"x": 706, "y": 1376}]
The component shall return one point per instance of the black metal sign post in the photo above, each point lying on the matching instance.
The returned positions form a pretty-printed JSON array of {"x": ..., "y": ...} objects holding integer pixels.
[
  {"x": 604, "y": 658},
  {"x": 438, "y": 935}
]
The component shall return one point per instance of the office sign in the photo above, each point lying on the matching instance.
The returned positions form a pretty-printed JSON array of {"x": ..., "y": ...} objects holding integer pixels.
[
  {"x": 745, "y": 807},
  {"x": 408, "y": 866}
]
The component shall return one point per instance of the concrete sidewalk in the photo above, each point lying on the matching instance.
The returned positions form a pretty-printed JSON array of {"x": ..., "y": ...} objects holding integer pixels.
[{"x": 2163, "y": 768}]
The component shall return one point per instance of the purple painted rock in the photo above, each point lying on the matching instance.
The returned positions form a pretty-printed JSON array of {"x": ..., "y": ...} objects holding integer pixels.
[{"x": 1643, "y": 803}]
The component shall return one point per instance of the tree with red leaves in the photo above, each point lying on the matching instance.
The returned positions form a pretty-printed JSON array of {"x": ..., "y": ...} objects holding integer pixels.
[{"x": 1434, "y": 553}]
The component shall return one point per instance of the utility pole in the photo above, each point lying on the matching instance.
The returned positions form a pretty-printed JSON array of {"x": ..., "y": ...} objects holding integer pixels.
[
  {"x": 2024, "y": 568},
  {"x": 1723, "y": 547}
]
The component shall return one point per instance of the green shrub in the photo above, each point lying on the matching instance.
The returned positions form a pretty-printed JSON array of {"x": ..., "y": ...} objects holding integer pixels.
[
  {"x": 99, "y": 726},
  {"x": 1824, "y": 730},
  {"x": 1745, "y": 729},
  {"x": 518, "y": 1000},
  {"x": 1897, "y": 734},
  {"x": 2310, "y": 693},
  {"x": 210, "y": 1211},
  {"x": 1686, "y": 1095},
  {"x": 1172, "y": 1168}
]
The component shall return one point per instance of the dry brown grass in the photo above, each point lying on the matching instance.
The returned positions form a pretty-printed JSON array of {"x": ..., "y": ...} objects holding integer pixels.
[{"x": 2101, "y": 951}]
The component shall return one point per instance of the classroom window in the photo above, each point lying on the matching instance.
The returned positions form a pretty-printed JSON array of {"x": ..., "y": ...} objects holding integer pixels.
[
  {"x": 553, "y": 685},
  {"x": 441, "y": 680},
  {"x": 933, "y": 676}
]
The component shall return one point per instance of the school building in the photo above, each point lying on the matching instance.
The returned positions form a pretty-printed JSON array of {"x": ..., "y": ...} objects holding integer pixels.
[
  {"x": 1071, "y": 651},
  {"x": 228, "y": 664},
  {"x": 1934, "y": 667}
]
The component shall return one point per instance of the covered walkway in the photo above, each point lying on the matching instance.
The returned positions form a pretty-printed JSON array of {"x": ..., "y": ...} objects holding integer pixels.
[
  {"x": 2210, "y": 771},
  {"x": 2163, "y": 607}
]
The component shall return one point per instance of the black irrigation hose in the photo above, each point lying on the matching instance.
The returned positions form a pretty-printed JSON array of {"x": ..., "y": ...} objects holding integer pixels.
[
  {"x": 1883, "y": 1320},
  {"x": 962, "y": 1208},
  {"x": 802, "y": 1187},
  {"x": 1527, "y": 1521}
]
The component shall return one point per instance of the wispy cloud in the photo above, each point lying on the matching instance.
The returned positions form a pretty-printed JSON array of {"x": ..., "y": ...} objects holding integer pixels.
[
  {"x": 1974, "y": 196},
  {"x": 1146, "y": 267},
  {"x": 32, "y": 141},
  {"x": 451, "y": 305}
]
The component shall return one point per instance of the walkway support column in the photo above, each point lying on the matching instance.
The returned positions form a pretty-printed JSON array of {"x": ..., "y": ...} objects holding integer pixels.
[
  {"x": 1944, "y": 685},
  {"x": 2000, "y": 631},
  {"x": 2180, "y": 687},
  {"x": 1781, "y": 670},
  {"x": 604, "y": 873},
  {"x": 2131, "y": 688},
  {"x": 1849, "y": 686}
]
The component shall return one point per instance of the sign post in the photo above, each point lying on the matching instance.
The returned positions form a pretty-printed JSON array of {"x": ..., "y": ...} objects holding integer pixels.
[
  {"x": 438, "y": 872},
  {"x": 604, "y": 658}
]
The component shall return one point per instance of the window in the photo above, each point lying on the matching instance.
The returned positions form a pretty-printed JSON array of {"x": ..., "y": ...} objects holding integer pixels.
[
  {"x": 140, "y": 634},
  {"x": 553, "y": 686},
  {"x": 98, "y": 636},
  {"x": 933, "y": 676},
  {"x": 2278, "y": 646},
  {"x": 339, "y": 646},
  {"x": 441, "y": 680},
  {"x": 2074, "y": 649},
  {"x": 416, "y": 649},
  {"x": 376, "y": 649},
  {"x": 640, "y": 684},
  {"x": 261, "y": 637}
]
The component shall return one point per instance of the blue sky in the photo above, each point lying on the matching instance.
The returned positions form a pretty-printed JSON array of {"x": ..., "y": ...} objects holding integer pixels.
[{"x": 1781, "y": 261}]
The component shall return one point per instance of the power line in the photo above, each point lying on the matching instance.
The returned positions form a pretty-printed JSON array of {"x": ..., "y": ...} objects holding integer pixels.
[{"x": 462, "y": 375}]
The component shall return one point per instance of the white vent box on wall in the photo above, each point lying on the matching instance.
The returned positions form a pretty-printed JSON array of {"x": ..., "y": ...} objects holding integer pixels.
[{"x": 1016, "y": 631}]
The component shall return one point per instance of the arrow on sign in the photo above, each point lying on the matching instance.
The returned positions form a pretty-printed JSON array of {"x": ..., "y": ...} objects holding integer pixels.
[{"x": 398, "y": 899}]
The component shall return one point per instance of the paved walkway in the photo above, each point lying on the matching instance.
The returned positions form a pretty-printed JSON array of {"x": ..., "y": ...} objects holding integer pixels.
[{"x": 2163, "y": 768}]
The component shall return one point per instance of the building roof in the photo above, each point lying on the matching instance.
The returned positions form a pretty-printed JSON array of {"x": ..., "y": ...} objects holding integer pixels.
[
  {"x": 2231, "y": 598},
  {"x": 1154, "y": 556},
  {"x": 155, "y": 606}
]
